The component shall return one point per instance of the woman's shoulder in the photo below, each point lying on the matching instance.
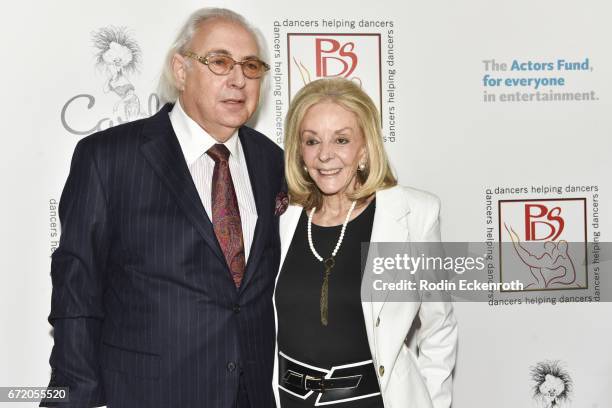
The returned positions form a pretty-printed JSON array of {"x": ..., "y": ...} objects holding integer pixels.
[
  {"x": 421, "y": 210},
  {"x": 413, "y": 197}
]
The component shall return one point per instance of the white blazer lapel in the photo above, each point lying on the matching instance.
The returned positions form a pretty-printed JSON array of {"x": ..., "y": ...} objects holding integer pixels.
[{"x": 390, "y": 225}]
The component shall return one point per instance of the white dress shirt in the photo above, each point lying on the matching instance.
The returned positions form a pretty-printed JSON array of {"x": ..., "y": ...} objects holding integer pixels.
[{"x": 194, "y": 143}]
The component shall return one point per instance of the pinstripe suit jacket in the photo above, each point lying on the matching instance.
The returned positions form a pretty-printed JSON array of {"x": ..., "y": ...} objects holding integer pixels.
[{"x": 144, "y": 310}]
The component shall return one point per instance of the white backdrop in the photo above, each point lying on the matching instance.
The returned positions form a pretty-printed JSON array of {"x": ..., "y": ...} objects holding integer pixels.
[{"x": 442, "y": 136}]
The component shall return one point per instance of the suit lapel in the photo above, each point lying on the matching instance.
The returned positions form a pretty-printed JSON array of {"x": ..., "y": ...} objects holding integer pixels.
[
  {"x": 255, "y": 160},
  {"x": 164, "y": 154}
]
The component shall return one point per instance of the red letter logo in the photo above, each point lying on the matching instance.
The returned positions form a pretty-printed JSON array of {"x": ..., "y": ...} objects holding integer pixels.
[
  {"x": 554, "y": 224},
  {"x": 345, "y": 53}
]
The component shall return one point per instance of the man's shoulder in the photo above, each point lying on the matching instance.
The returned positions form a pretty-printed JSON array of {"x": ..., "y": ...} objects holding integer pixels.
[
  {"x": 122, "y": 132},
  {"x": 123, "y": 136}
]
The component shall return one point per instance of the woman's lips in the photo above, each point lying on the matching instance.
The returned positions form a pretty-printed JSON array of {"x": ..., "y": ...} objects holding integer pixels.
[{"x": 331, "y": 172}]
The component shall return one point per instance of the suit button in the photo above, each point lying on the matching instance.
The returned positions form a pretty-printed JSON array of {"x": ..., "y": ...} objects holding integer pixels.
[
  {"x": 381, "y": 370},
  {"x": 236, "y": 308},
  {"x": 231, "y": 366}
]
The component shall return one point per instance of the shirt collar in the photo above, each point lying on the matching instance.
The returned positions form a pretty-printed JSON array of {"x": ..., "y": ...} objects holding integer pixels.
[{"x": 194, "y": 140}]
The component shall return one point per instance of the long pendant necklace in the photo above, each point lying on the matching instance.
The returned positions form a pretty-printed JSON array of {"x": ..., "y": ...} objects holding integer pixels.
[{"x": 328, "y": 263}]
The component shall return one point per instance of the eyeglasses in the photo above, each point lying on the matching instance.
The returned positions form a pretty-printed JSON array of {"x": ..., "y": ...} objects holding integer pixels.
[{"x": 221, "y": 64}]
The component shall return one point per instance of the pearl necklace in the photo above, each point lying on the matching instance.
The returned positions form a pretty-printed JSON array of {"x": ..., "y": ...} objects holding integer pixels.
[
  {"x": 327, "y": 263},
  {"x": 337, "y": 247}
]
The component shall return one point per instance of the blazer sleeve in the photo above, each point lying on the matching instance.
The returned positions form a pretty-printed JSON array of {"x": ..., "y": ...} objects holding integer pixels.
[
  {"x": 437, "y": 337},
  {"x": 78, "y": 268}
]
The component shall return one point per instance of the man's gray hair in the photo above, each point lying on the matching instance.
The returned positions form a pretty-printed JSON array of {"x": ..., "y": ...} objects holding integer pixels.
[{"x": 167, "y": 89}]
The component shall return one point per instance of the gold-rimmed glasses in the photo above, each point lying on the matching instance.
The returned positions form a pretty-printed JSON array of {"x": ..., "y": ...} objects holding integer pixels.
[{"x": 222, "y": 64}]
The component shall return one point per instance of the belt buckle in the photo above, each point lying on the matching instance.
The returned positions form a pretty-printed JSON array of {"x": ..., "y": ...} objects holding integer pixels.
[{"x": 319, "y": 380}]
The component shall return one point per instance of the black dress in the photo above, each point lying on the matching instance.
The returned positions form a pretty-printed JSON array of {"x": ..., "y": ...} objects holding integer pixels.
[{"x": 300, "y": 332}]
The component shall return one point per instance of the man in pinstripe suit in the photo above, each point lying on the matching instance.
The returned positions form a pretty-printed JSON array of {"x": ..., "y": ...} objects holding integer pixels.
[{"x": 163, "y": 278}]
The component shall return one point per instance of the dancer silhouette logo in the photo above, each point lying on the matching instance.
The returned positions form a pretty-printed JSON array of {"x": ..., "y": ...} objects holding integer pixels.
[{"x": 543, "y": 243}]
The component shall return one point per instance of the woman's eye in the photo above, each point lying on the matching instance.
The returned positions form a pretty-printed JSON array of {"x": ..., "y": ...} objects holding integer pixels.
[
  {"x": 342, "y": 140},
  {"x": 311, "y": 142}
]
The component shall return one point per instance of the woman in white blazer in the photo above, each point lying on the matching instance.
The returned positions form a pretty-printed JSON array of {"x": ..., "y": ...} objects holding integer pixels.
[{"x": 335, "y": 347}]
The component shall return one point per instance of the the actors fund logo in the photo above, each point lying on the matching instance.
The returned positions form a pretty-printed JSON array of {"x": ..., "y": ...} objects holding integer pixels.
[
  {"x": 118, "y": 58},
  {"x": 543, "y": 243},
  {"x": 551, "y": 385},
  {"x": 352, "y": 56}
]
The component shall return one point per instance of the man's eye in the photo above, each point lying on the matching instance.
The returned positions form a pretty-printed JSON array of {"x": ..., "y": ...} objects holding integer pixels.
[
  {"x": 252, "y": 65},
  {"x": 219, "y": 62}
]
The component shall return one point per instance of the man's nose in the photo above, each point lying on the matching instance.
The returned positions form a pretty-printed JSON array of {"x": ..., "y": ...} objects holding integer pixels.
[{"x": 236, "y": 76}]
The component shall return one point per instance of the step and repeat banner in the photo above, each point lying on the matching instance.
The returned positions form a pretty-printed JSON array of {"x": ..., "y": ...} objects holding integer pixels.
[{"x": 501, "y": 109}]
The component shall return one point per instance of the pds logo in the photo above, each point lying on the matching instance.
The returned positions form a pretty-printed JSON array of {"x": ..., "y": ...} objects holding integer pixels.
[{"x": 356, "y": 57}]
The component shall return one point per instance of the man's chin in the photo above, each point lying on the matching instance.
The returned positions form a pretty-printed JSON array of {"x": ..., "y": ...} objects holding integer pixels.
[{"x": 233, "y": 120}]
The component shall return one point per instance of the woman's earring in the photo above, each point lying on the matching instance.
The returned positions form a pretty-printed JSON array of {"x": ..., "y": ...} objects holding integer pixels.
[
  {"x": 305, "y": 168},
  {"x": 361, "y": 166}
]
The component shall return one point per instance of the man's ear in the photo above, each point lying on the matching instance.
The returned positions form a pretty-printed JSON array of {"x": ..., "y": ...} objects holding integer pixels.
[{"x": 179, "y": 69}]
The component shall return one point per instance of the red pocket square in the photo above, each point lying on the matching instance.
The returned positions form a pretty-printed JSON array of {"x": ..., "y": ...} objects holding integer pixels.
[{"x": 282, "y": 202}]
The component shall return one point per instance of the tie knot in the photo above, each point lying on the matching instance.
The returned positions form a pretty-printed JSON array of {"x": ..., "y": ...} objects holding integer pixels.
[{"x": 219, "y": 153}]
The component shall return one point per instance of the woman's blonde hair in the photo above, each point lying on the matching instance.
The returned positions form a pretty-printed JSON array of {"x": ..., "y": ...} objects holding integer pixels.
[{"x": 377, "y": 174}]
